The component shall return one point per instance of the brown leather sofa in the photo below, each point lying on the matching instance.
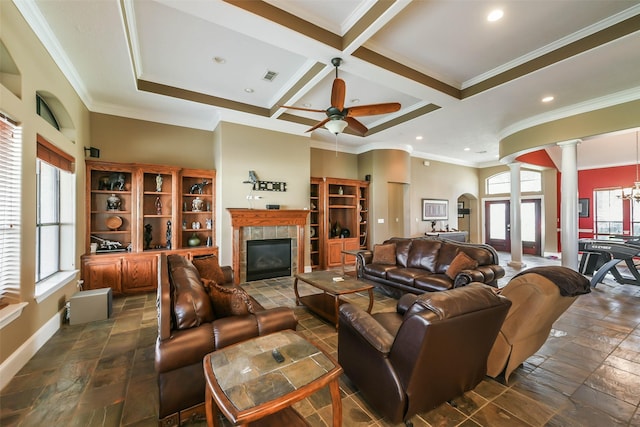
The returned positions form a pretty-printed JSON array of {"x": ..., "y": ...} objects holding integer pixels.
[
  {"x": 424, "y": 264},
  {"x": 431, "y": 350},
  {"x": 188, "y": 329},
  {"x": 539, "y": 296}
]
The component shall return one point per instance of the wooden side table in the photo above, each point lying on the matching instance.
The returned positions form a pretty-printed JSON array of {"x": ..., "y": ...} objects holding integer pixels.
[{"x": 249, "y": 387}]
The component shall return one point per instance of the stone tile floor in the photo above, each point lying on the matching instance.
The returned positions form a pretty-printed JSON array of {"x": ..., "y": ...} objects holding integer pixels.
[{"x": 586, "y": 374}]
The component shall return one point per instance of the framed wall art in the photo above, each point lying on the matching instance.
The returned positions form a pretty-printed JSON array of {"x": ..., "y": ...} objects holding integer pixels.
[
  {"x": 435, "y": 209},
  {"x": 583, "y": 208}
]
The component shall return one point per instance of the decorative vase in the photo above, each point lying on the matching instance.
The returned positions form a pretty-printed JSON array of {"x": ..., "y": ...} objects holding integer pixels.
[
  {"x": 159, "y": 183},
  {"x": 194, "y": 240},
  {"x": 113, "y": 203},
  {"x": 340, "y": 191},
  {"x": 336, "y": 230},
  {"x": 158, "y": 206},
  {"x": 196, "y": 204}
]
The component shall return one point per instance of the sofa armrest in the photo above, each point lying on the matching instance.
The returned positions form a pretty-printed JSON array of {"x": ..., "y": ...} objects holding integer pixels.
[
  {"x": 276, "y": 319},
  {"x": 163, "y": 299},
  {"x": 184, "y": 347},
  {"x": 362, "y": 322},
  {"x": 363, "y": 258},
  {"x": 228, "y": 273},
  {"x": 488, "y": 274}
]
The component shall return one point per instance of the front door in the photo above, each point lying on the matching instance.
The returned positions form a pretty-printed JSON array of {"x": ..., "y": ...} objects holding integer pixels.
[{"x": 498, "y": 225}]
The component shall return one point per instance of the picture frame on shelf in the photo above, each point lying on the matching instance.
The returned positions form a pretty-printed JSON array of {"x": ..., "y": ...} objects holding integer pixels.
[
  {"x": 435, "y": 209},
  {"x": 460, "y": 209}
]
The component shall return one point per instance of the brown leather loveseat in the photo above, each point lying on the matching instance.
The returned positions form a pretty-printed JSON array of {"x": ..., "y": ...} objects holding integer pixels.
[
  {"x": 192, "y": 324},
  {"x": 427, "y": 264},
  {"x": 431, "y": 350}
]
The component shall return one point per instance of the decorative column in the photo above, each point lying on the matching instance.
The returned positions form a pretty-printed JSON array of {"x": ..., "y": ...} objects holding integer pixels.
[
  {"x": 514, "y": 213},
  {"x": 569, "y": 204}
]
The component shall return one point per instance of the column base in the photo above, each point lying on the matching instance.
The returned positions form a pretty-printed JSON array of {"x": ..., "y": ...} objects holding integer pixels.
[{"x": 516, "y": 264}]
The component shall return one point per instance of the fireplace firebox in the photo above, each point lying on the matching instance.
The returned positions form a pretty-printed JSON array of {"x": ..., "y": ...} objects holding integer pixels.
[{"x": 268, "y": 258}]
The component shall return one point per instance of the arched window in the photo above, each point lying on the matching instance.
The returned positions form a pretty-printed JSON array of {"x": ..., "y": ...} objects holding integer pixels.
[
  {"x": 530, "y": 182},
  {"x": 45, "y": 112}
]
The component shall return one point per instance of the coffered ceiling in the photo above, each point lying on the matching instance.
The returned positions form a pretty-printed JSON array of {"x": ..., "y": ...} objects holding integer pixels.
[{"x": 463, "y": 82}]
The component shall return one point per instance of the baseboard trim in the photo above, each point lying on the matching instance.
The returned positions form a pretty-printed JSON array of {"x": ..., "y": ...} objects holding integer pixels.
[{"x": 12, "y": 365}]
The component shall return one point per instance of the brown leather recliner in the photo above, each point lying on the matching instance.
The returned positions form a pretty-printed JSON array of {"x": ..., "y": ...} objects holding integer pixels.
[
  {"x": 432, "y": 349},
  {"x": 188, "y": 329},
  {"x": 537, "y": 301}
]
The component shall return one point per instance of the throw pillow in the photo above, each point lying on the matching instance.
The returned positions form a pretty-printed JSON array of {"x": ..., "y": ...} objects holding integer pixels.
[
  {"x": 461, "y": 262},
  {"x": 228, "y": 300},
  {"x": 384, "y": 254},
  {"x": 209, "y": 268}
]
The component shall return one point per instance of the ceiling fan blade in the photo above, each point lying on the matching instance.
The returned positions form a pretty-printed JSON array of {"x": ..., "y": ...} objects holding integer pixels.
[
  {"x": 318, "y": 125},
  {"x": 356, "y": 126},
  {"x": 338, "y": 92},
  {"x": 373, "y": 109},
  {"x": 302, "y": 109}
]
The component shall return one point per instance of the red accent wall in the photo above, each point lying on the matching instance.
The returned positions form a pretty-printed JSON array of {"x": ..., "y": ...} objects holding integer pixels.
[
  {"x": 592, "y": 179},
  {"x": 540, "y": 158}
]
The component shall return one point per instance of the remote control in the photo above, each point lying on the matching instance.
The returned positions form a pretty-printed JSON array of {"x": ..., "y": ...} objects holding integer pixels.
[{"x": 277, "y": 355}]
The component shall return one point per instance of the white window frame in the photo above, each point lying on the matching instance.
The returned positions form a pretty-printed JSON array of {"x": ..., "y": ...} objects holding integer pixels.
[
  {"x": 526, "y": 176},
  {"x": 66, "y": 205}
]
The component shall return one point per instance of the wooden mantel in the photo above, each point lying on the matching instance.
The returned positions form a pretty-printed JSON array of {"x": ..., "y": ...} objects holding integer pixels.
[{"x": 266, "y": 218}]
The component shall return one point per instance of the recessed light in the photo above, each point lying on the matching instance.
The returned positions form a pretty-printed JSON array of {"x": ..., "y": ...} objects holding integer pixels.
[
  {"x": 467, "y": 149},
  {"x": 306, "y": 105},
  {"x": 355, "y": 100},
  {"x": 219, "y": 60},
  {"x": 495, "y": 15},
  {"x": 419, "y": 137},
  {"x": 248, "y": 90},
  {"x": 548, "y": 99}
]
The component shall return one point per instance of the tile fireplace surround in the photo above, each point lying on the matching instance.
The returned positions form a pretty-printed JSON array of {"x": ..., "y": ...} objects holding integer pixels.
[{"x": 252, "y": 224}]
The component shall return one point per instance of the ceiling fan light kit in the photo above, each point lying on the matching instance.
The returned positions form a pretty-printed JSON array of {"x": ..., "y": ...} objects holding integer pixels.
[
  {"x": 338, "y": 116},
  {"x": 336, "y": 126}
]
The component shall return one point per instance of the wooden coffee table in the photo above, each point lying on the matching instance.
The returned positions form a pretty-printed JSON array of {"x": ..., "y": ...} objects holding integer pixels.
[
  {"x": 248, "y": 385},
  {"x": 326, "y": 303}
]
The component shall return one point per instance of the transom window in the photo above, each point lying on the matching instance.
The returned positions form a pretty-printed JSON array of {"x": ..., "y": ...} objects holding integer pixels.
[{"x": 530, "y": 182}]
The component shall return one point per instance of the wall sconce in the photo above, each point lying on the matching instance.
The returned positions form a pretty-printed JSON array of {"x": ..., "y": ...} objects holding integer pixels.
[{"x": 93, "y": 152}]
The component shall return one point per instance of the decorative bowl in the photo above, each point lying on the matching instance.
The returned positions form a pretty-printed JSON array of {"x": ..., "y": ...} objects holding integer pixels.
[{"x": 113, "y": 222}]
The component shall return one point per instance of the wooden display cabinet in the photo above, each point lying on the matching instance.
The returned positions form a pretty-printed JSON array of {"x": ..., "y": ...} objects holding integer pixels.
[
  {"x": 112, "y": 221},
  {"x": 159, "y": 187},
  {"x": 122, "y": 199},
  {"x": 197, "y": 217},
  {"x": 343, "y": 209},
  {"x": 316, "y": 228}
]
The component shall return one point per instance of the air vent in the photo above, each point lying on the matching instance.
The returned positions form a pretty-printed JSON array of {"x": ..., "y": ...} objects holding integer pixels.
[{"x": 269, "y": 76}]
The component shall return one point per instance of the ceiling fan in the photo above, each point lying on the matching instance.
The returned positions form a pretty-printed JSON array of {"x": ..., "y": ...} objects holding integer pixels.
[{"x": 339, "y": 116}]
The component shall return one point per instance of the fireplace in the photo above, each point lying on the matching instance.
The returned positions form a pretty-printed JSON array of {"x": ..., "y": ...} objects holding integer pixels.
[
  {"x": 268, "y": 258},
  {"x": 258, "y": 224}
]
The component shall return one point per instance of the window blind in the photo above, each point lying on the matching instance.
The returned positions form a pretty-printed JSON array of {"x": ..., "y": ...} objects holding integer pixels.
[
  {"x": 54, "y": 156},
  {"x": 10, "y": 166}
]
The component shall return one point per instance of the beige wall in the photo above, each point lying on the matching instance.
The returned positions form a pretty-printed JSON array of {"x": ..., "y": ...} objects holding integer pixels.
[
  {"x": 598, "y": 122},
  {"x": 38, "y": 73},
  {"x": 326, "y": 164},
  {"x": 129, "y": 140},
  {"x": 439, "y": 180},
  {"x": 274, "y": 156}
]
